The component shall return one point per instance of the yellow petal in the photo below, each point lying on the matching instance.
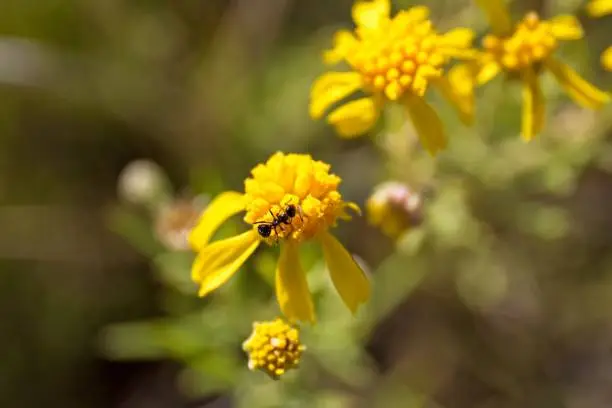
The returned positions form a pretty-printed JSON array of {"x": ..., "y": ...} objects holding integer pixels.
[
  {"x": 331, "y": 88},
  {"x": 220, "y": 209},
  {"x": 353, "y": 206},
  {"x": 566, "y": 27},
  {"x": 350, "y": 281},
  {"x": 332, "y": 79},
  {"x": 497, "y": 14},
  {"x": 598, "y": 8},
  {"x": 291, "y": 286},
  {"x": 460, "y": 38},
  {"x": 487, "y": 71},
  {"x": 417, "y": 13},
  {"x": 426, "y": 123},
  {"x": 354, "y": 118},
  {"x": 534, "y": 106},
  {"x": 344, "y": 43},
  {"x": 369, "y": 14},
  {"x": 581, "y": 91},
  {"x": 458, "y": 88},
  {"x": 217, "y": 262},
  {"x": 606, "y": 59}
]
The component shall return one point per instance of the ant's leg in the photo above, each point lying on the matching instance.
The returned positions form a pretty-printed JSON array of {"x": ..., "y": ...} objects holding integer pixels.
[
  {"x": 273, "y": 216},
  {"x": 276, "y": 231}
]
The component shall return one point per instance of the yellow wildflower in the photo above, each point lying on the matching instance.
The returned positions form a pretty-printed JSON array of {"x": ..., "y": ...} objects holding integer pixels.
[
  {"x": 392, "y": 59},
  {"x": 290, "y": 198},
  {"x": 524, "y": 52},
  {"x": 394, "y": 208},
  {"x": 599, "y": 8},
  {"x": 273, "y": 347}
]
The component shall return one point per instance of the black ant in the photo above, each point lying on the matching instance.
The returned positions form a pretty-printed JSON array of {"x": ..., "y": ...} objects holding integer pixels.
[{"x": 284, "y": 217}]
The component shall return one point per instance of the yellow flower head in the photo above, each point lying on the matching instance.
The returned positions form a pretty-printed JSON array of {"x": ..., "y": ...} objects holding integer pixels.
[
  {"x": 524, "y": 51},
  {"x": 599, "y": 8},
  {"x": 288, "y": 199},
  {"x": 394, "y": 208},
  {"x": 273, "y": 347},
  {"x": 530, "y": 44},
  {"x": 298, "y": 181},
  {"x": 392, "y": 59}
]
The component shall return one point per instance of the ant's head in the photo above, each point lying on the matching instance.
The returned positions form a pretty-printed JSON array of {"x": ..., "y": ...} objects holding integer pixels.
[
  {"x": 264, "y": 230},
  {"x": 290, "y": 210}
]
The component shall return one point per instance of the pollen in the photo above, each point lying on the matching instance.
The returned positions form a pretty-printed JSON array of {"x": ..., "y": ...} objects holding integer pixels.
[
  {"x": 403, "y": 55},
  {"x": 531, "y": 43},
  {"x": 273, "y": 347},
  {"x": 298, "y": 181}
]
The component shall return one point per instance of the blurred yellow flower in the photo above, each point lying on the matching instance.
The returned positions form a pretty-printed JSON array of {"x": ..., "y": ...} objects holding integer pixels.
[
  {"x": 524, "y": 52},
  {"x": 273, "y": 347},
  {"x": 394, "y": 208},
  {"x": 599, "y": 8},
  {"x": 290, "y": 198},
  {"x": 391, "y": 59}
]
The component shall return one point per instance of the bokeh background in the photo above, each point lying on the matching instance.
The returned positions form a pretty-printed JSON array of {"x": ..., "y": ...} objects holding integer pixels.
[{"x": 120, "y": 119}]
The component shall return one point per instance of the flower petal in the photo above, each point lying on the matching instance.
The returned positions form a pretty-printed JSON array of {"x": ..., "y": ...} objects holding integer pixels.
[
  {"x": 566, "y": 27},
  {"x": 369, "y": 14},
  {"x": 344, "y": 214},
  {"x": 460, "y": 38},
  {"x": 487, "y": 71},
  {"x": 217, "y": 262},
  {"x": 458, "y": 88},
  {"x": 291, "y": 286},
  {"x": 349, "y": 279},
  {"x": 534, "y": 106},
  {"x": 598, "y": 8},
  {"x": 331, "y": 88},
  {"x": 581, "y": 91},
  {"x": 344, "y": 42},
  {"x": 354, "y": 118},
  {"x": 332, "y": 79},
  {"x": 497, "y": 14},
  {"x": 417, "y": 14},
  {"x": 606, "y": 59},
  {"x": 220, "y": 209},
  {"x": 426, "y": 123}
]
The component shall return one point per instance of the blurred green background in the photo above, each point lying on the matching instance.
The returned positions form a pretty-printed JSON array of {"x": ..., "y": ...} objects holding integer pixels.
[{"x": 119, "y": 119}]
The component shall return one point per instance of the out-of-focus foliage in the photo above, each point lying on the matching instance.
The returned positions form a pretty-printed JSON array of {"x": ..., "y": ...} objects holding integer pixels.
[{"x": 499, "y": 297}]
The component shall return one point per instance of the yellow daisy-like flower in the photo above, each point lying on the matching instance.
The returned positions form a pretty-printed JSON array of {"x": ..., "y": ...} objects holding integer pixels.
[
  {"x": 524, "y": 51},
  {"x": 289, "y": 199},
  {"x": 599, "y": 8},
  {"x": 273, "y": 347},
  {"x": 392, "y": 59}
]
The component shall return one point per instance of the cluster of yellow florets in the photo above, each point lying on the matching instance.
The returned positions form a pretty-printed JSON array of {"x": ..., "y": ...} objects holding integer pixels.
[
  {"x": 402, "y": 56},
  {"x": 298, "y": 180},
  {"x": 532, "y": 42},
  {"x": 273, "y": 347}
]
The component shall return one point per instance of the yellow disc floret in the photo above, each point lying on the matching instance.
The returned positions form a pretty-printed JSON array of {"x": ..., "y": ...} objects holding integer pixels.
[
  {"x": 293, "y": 180},
  {"x": 531, "y": 43},
  {"x": 402, "y": 56},
  {"x": 273, "y": 347}
]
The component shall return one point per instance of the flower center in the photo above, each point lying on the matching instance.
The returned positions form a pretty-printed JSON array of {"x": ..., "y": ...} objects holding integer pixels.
[
  {"x": 402, "y": 56},
  {"x": 274, "y": 347},
  {"x": 292, "y": 197},
  {"x": 531, "y": 43}
]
